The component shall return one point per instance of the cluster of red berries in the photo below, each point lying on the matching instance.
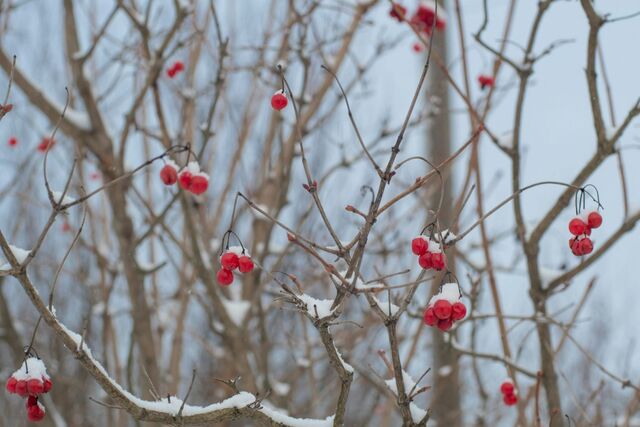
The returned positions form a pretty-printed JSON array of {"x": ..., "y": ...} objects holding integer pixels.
[
  {"x": 486, "y": 81},
  {"x": 423, "y": 20},
  {"x": 279, "y": 100},
  {"x": 176, "y": 68},
  {"x": 580, "y": 226},
  {"x": 445, "y": 308},
  {"x": 430, "y": 255},
  {"x": 509, "y": 393},
  {"x": 190, "y": 178},
  {"x": 30, "y": 381},
  {"x": 233, "y": 258},
  {"x": 46, "y": 144}
]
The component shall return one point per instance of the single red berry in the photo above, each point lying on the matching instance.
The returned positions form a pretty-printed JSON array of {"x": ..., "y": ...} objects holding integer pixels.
[
  {"x": 229, "y": 260},
  {"x": 31, "y": 401},
  {"x": 21, "y": 388},
  {"x": 224, "y": 277},
  {"x": 35, "y": 386},
  {"x": 486, "y": 81},
  {"x": 11, "y": 385},
  {"x": 35, "y": 413},
  {"x": 398, "y": 12},
  {"x": 586, "y": 246},
  {"x": 66, "y": 227},
  {"x": 279, "y": 100},
  {"x": 168, "y": 174},
  {"x": 245, "y": 264},
  {"x": 13, "y": 141},
  {"x": 445, "y": 324},
  {"x": 48, "y": 385},
  {"x": 171, "y": 72},
  {"x": 442, "y": 309},
  {"x": 429, "y": 317},
  {"x": 439, "y": 261},
  {"x": 507, "y": 387},
  {"x": 594, "y": 219},
  {"x": 46, "y": 144},
  {"x": 178, "y": 66},
  {"x": 577, "y": 226},
  {"x": 458, "y": 311},
  {"x": 510, "y": 399},
  {"x": 184, "y": 179},
  {"x": 4, "y": 109},
  {"x": 426, "y": 261},
  {"x": 417, "y": 47},
  {"x": 199, "y": 184},
  {"x": 419, "y": 246},
  {"x": 574, "y": 244}
]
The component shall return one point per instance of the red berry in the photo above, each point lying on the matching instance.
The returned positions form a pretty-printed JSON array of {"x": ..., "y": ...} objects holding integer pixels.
[
  {"x": 429, "y": 317},
  {"x": 168, "y": 174},
  {"x": 594, "y": 219},
  {"x": 35, "y": 413},
  {"x": 442, "y": 309},
  {"x": 224, "y": 277},
  {"x": 507, "y": 387},
  {"x": 398, "y": 12},
  {"x": 419, "y": 246},
  {"x": 13, "y": 141},
  {"x": 31, "y": 401},
  {"x": 245, "y": 264},
  {"x": 426, "y": 261},
  {"x": 35, "y": 386},
  {"x": 445, "y": 324},
  {"x": 229, "y": 260},
  {"x": 574, "y": 244},
  {"x": 486, "y": 81},
  {"x": 417, "y": 47},
  {"x": 46, "y": 144},
  {"x": 4, "y": 109},
  {"x": 184, "y": 179},
  {"x": 21, "y": 388},
  {"x": 178, "y": 66},
  {"x": 586, "y": 246},
  {"x": 577, "y": 226},
  {"x": 279, "y": 100},
  {"x": 510, "y": 399},
  {"x": 199, "y": 184},
  {"x": 171, "y": 72},
  {"x": 11, "y": 385},
  {"x": 458, "y": 311},
  {"x": 47, "y": 385},
  {"x": 439, "y": 261}
]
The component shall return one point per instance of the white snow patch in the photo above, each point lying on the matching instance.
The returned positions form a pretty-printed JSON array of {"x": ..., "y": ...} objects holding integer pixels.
[
  {"x": 445, "y": 371},
  {"x": 417, "y": 413},
  {"x": 280, "y": 416},
  {"x": 281, "y": 389},
  {"x": 346, "y": 366},
  {"x": 30, "y": 369},
  {"x": 57, "y": 197},
  {"x": 320, "y": 306},
  {"x": 390, "y": 309},
  {"x": 19, "y": 254},
  {"x": 449, "y": 292},
  {"x": 237, "y": 310}
]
